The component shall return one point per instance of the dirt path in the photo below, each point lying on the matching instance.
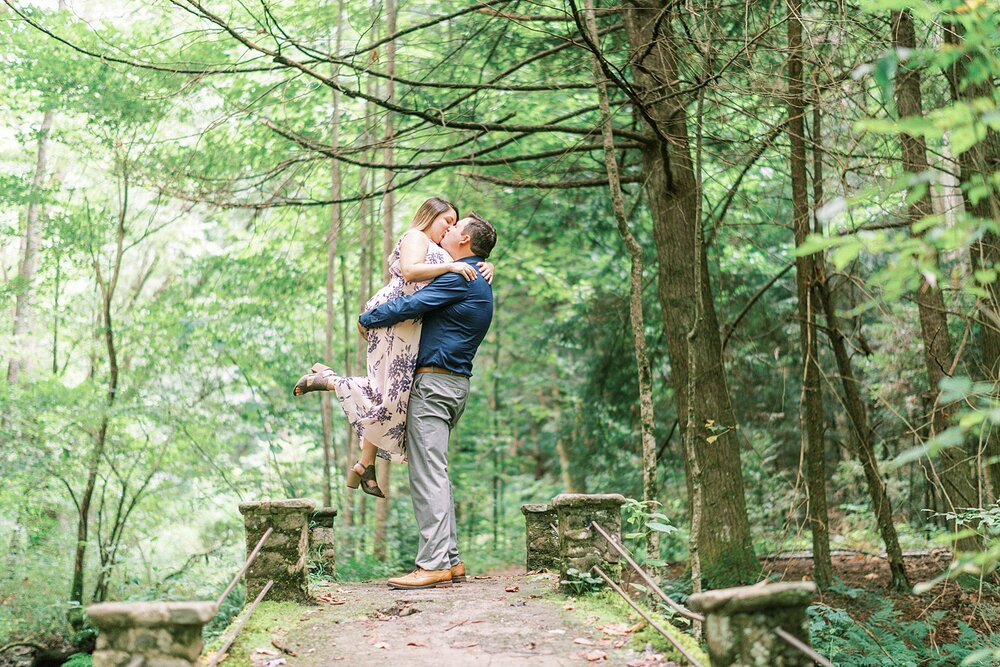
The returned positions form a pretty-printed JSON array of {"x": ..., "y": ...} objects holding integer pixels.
[{"x": 500, "y": 621}]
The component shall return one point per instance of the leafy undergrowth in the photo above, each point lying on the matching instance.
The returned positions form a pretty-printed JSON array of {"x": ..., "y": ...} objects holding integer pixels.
[
  {"x": 605, "y": 606},
  {"x": 885, "y": 639}
]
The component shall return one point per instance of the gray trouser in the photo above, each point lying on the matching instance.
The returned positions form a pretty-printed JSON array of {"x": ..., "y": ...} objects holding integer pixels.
[{"x": 436, "y": 403}]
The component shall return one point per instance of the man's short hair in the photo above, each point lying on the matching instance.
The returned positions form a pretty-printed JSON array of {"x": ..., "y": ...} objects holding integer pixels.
[{"x": 482, "y": 235}]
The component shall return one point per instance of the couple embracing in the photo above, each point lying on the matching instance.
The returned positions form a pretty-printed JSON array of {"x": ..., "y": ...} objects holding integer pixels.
[{"x": 423, "y": 329}]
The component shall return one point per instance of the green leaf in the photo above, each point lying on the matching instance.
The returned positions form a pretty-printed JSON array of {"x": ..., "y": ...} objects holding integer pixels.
[
  {"x": 661, "y": 527},
  {"x": 955, "y": 388}
]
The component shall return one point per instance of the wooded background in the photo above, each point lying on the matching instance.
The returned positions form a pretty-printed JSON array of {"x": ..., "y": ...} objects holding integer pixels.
[{"x": 745, "y": 275}]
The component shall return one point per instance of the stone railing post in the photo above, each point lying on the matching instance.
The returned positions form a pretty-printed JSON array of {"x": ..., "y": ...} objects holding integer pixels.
[
  {"x": 740, "y": 623},
  {"x": 321, "y": 539},
  {"x": 580, "y": 546},
  {"x": 541, "y": 542},
  {"x": 151, "y": 634},
  {"x": 283, "y": 557}
]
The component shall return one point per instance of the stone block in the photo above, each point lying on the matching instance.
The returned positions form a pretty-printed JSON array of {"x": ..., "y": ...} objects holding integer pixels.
[
  {"x": 283, "y": 557},
  {"x": 155, "y": 632},
  {"x": 580, "y": 546},
  {"x": 540, "y": 539},
  {"x": 740, "y": 624}
]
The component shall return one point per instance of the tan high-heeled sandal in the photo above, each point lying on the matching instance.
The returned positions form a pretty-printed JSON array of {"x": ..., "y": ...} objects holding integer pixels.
[
  {"x": 320, "y": 379},
  {"x": 362, "y": 479}
]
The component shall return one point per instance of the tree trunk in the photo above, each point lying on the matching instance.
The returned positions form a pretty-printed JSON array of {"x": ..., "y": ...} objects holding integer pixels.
[
  {"x": 107, "y": 289},
  {"x": 811, "y": 404},
  {"x": 332, "y": 236},
  {"x": 724, "y": 541},
  {"x": 975, "y": 167},
  {"x": 388, "y": 212},
  {"x": 955, "y": 464},
  {"x": 860, "y": 436},
  {"x": 29, "y": 257},
  {"x": 636, "y": 319}
]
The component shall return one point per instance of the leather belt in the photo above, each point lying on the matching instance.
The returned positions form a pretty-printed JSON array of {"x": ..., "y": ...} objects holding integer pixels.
[{"x": 439, "y": 370}]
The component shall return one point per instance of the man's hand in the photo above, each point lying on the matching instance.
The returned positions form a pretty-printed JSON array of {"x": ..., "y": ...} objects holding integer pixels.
[
  {"x": 362, "y": 331},
  {"x": 486, "y": 268}
]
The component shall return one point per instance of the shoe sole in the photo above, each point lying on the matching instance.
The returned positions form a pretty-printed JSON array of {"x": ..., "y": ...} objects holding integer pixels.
[
  {"x": 458, "y": 580},
  {"x": 399, "y": 587}
]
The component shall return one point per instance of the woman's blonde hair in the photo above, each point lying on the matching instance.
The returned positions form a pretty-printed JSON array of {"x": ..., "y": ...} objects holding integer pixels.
[{"x": 430, "y": 210}]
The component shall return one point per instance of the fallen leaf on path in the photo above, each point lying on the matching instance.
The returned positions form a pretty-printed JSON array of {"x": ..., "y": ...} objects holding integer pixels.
[
  {"x": 416, "y": 643},
  {"x": 584, "y": 641},
  {"x": 330, "y": 599},
  {"x": 569, "y": 606},
  {"x": 380, "y": 645},
  {"x": 279, "y": 643},
  {"x": 512, "y": 588},
  {"x": 595, "y": 656},
  {"x": 615, "y": 629},
  {"x": 482, "y": 576},
  {"x": 464, "y": 644},
  {"x": 620, "y": 643},
  {"x": 266, "y": 651}
]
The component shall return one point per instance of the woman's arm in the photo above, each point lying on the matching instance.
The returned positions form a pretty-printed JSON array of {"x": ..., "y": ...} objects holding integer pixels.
[{"x": 413, "y": 252}]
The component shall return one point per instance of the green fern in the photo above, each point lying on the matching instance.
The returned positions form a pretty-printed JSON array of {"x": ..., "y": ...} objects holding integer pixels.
[{"x": 885, "y": 640}]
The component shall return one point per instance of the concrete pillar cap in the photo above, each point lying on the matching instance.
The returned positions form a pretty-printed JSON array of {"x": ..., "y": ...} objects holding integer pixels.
[
  {"x": 587, "y": 499},
  {"x": 150, "y": 614},
  {"x": 325, "y": 511},
  {"x": 288, "y": 505},
  {"x": 535, "y": 508},
  {"x": 760, "y": 596}
]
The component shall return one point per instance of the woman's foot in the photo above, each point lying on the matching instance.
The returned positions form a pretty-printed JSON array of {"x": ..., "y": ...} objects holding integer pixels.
[
  {"x": 321, "y": 379},
  {"x": 363, "y": 476}
]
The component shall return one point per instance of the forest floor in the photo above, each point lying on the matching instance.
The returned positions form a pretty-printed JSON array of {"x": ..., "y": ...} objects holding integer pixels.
[
  {"x": 495, "y": 620},
  {"x": 864, "y": 583}
]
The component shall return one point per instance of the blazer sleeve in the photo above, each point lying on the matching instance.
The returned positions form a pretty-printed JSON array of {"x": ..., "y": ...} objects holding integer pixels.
[{"x": 443, "y": 291}]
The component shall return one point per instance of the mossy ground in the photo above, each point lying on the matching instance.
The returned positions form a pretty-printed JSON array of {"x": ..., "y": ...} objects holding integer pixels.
[
  {"x": 608, "y": 607},
  {"x": 267, "y": 618}
]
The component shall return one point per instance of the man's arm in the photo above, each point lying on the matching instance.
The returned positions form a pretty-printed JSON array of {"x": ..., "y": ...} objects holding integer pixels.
[{"x": 443, "y": 291}]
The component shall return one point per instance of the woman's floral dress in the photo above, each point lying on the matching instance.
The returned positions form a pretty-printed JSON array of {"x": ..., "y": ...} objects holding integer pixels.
[{"x": 376, "y": 405}]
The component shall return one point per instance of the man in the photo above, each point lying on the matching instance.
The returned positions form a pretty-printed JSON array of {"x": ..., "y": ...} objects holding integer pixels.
[{"x": 457, "y": 314}]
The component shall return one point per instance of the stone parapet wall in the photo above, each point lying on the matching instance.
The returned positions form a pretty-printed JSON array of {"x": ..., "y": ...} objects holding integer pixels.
[
  {"x": 150, "y": 634},
  {"x": 580, "y": 546},
  {"x": 322, "y": 540},
  {"x": 740, "y": 624},
  {"x": 283, "y": 556},
  {"x": 541, "y": 540}
]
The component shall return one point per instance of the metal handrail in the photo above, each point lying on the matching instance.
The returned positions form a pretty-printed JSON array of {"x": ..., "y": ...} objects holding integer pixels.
[
  {"x": 789, "y": 638},
  {"x": 803, "y": 647},
  {"x": 676, "y": 644},
  {"x": 249, "y": 612},
  {"x": 239, "y": 625},
  {"x": 680, "y": 609},
  {"x": 246, "y": 566}
]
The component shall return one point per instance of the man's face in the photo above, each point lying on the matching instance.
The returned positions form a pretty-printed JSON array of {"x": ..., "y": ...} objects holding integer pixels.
[{"x": 454, "y": 237}]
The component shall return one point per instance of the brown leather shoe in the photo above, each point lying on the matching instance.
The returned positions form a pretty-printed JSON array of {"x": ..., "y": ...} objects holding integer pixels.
[
  {"x": 458, "y": 573},
  {"x": 421, "y": 578}
]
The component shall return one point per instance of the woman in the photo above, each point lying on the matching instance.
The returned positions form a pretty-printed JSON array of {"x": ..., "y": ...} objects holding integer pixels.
[{"x": 376, "y": 404}]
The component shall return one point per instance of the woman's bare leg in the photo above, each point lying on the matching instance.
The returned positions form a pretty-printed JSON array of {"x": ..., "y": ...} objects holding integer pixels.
[{"x": 367, "y": 452}]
